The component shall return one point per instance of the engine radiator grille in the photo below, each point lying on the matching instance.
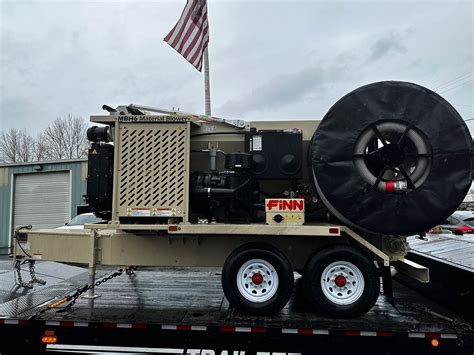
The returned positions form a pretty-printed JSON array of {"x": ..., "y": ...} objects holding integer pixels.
[{"x": 153, "y": 170}]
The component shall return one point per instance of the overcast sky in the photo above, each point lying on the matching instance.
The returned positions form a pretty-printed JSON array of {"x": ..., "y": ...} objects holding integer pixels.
[{"x": 269, "y": 59}]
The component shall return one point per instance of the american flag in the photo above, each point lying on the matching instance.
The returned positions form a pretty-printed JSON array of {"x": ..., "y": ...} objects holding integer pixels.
[{"x": 190, "y": 36}]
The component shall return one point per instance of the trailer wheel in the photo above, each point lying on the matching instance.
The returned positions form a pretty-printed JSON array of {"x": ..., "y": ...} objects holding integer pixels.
[
  {"x": 341, "y": 282},
  {"x": 257, "y": 279}
]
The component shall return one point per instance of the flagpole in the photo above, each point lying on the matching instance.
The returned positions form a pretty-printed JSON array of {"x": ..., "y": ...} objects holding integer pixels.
[{"x": 207, "y": 87}]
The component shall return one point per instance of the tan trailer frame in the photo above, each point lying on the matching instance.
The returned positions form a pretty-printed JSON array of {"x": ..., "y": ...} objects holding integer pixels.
[{"x": 192, "y": 245}]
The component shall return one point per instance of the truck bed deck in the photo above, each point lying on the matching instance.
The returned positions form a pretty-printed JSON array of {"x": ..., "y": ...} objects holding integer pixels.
[
  {"x": 450, "y": 259},
  {"x": 185, "y": 304},
  {"x": 451, "y": 249}
]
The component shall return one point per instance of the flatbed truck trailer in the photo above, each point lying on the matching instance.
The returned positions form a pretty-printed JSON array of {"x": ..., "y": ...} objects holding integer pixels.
[{"x": 185, "y": 309}]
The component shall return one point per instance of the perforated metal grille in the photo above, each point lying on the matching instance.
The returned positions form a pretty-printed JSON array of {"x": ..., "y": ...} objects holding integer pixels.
[{"x": 152, "y": 167}]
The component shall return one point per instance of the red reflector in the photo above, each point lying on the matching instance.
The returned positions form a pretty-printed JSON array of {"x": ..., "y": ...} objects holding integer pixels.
[
  {"x": 352, "y": 333},
  {"x": 183, "y": 327},
  {"x": 66, "y": 324},
  {"x": 305, "y": 331},
  {"x": 140, "y": 326},
  {"x": 384, "y": 334},
  {"x": 109, "y": 325},
  {"x": 227, "y": 329},
  {"x": 432, "y": 335},
  {"x": 172, "y": 228},
  {"x": 258, "y": 330},
  {"x": 333, "y": 230}
]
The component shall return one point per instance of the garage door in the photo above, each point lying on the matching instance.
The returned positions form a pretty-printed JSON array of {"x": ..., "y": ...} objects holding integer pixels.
[{"x": 41, "y": 199}]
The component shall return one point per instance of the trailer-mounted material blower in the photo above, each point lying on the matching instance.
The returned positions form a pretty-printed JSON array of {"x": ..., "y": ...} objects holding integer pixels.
[{"x": 390, "y": 158}]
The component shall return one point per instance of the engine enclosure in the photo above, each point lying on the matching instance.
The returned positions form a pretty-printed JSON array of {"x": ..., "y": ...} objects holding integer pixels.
[
  {"x": 170, "y": 167},
  {"x": 158, "y": 156}
]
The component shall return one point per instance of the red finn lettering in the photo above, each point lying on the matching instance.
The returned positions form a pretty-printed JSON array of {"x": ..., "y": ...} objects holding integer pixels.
[{"x": 285, "y": 205}]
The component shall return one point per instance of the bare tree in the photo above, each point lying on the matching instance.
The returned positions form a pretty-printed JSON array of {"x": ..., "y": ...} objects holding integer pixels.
[
  {"x": 26, "y": 146},
  {"x": 79, "y": 137},
  {"x": 40, "y": 151},
  {"x": 65, "y": 138},
  {"x": 9, "y": 145},
  {"x": 16, "y": 146}
]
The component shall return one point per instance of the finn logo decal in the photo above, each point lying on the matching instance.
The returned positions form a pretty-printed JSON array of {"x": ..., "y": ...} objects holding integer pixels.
[{"x": 286, "y": 205}]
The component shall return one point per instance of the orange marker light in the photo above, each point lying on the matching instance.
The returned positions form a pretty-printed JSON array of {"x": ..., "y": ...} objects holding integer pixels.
[
  {"x": 434, "y": 342},
  {"x": 49, "y": 337}
]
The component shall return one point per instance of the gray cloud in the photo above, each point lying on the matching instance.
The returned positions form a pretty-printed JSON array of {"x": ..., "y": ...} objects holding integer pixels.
[
  {"x": 292, "y": 88},
  {"x": 283, "y": 90},
  {"x": 390, "y": 44},
  {"x": 279, "y": 91},
  {"x": 269, "y": 59}
]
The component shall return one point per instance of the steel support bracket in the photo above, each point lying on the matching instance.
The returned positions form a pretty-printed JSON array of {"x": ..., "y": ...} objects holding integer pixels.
[
  {"x": 412, "y": 269},
  {"x": 370, "y": 247}
]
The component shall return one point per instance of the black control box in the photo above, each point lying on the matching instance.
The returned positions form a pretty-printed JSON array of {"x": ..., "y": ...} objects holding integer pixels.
[{"x": 276, "y": 154}]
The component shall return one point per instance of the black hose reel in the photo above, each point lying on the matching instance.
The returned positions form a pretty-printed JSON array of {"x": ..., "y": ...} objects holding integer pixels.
[{"x": 392, "y": 158}]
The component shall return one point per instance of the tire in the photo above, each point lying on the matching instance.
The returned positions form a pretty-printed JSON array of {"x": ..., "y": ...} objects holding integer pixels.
[
  {"x": 270, "y": 292},
  {"x": 386, "y": 153},
  {"x": 326, "y": 297}
]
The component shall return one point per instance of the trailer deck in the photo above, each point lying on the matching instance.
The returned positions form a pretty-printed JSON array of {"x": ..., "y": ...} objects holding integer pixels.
[
  {"x": 450, "y": 249},
  {"x": 450, "y": 259},
  {"x": 186, "y": 307}
]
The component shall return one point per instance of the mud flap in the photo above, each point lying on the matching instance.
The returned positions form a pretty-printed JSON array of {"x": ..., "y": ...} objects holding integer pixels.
[{"x": 388, "y": 286}]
